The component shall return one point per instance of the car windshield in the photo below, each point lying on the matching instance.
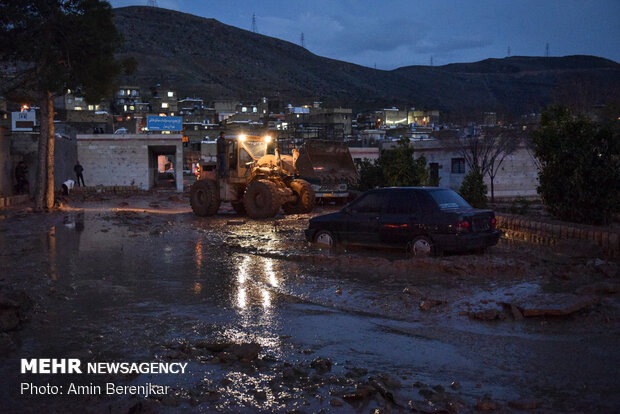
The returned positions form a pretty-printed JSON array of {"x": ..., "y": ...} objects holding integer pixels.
[
  {"x": 255, "y": 148},
  {"x": 447, "y": 199}
]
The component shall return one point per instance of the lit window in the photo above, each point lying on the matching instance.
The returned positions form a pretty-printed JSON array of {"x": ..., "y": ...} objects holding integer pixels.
[
  {"x": 131, "y": 107},
  {"x": 128, "y": 92},
  {"x": 134, "y": 92},
  {"x": 171, "y": 113},
  {"x": 244, "y": 109},
  {"x": 164, "y": 104},
  {"x": 91, "y": 107},
  {"x": 78, "y": 99},
  {"x": 78, "y": 108},
  {"x": 170, "y": 94},
  {"x": 122, "y": 92},
  {"x": 254, "y": 109},
  {"x": 125, "y": 107},
  {"x": 69, "y": 100}
]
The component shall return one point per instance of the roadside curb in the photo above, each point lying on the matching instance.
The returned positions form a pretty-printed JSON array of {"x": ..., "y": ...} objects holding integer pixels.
[{"x": 538, "y": 232}]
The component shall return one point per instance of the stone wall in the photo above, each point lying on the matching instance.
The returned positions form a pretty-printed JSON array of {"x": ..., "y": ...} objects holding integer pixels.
[
  {"x": 127, "y": 160},
  {"x": 538, "y": 232}
]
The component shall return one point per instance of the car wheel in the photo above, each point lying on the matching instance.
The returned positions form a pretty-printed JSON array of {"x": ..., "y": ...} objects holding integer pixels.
[
  {"x": 421, "y": 246},
  {"x": 324, "y": 238}
]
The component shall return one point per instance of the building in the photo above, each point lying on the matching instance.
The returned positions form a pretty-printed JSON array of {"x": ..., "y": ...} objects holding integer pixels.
[{"x": 143, "y": 160}]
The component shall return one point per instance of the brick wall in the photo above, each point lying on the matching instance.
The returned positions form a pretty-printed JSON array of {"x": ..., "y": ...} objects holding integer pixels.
[{"x": 126, "y": 160}]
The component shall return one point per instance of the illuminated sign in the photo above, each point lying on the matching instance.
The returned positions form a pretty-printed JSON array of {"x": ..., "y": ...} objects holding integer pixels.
[
  {"x": 23, "y": 121},
  {"x": 164, "y": 123}
]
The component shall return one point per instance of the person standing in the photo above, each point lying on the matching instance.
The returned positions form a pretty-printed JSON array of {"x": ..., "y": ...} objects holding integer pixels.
[
  {"x": 21, "y": 175},
  {"x": 78, "y": 172},
  {"x": 221, "y": 154}
]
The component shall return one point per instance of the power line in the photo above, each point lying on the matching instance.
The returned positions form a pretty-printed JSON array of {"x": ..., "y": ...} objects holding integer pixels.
[{"x": 254, "y": 28}]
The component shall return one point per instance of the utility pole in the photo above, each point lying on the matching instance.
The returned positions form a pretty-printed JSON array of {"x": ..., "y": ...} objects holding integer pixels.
[
  {"x": 547, "y": 50},
  {"x": 303, "y": 40},
  {"x": 431, "y": 60},
  {"x": 151, "y": 3},
  {"x": 254, "y": 28}
]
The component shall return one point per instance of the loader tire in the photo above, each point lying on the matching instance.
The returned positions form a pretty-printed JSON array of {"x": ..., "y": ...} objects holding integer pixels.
[
  {"x": 238, "y": 207},
  {"x": 305, "y": 198},
  {"x": 261, "y": 199},
  {"x": 204, "y": 198}
]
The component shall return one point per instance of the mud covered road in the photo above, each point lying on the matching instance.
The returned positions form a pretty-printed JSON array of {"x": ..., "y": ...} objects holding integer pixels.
[{"x": 268, "y": 322}]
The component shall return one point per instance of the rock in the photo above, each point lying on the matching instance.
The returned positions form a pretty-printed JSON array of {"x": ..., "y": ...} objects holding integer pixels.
[
  {"x": 439, "y": 388},
  {"x": 389, "y": 381},
  {"x": 225, "y": 381},
  {"x": 356, "y": 372},
  {"x": 226, "y": 357},
  {"x": 516, "y": 313},
  {"x": 489, "y": 314},
  {"x": 321, "y": 365},
  {"x": 248, "y": 351},
  {"x": 430, "y": 303},
  {"x": 455, "y": 385},
  {"x": 123, "y": 204},
  {"x": 9, "y": 319},
  {"x": 486, "y": 404},
  {"x": 260, "y": 395},
  {"x": 554, "y": 304},
  {"x": 335, "y": 402},
  {"x": 525, "y": 404},
  {"x": 213, "y": 346},
  {"x": 235, "y": 222},
  {"x": 338, "y": 291}
]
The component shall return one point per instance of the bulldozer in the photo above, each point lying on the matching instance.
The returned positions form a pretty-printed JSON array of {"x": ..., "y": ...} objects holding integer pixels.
[{"x": 256, "y": 183}]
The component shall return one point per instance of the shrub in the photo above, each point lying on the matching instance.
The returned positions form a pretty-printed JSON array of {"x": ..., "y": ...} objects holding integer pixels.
[
  {"x": 474, "y": 190},
  {"x": 579, "y": 175}
]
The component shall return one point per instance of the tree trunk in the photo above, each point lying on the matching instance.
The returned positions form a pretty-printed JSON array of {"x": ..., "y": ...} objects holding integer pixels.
[
  {"x": 51, "y": 139},
  {"x": 492, "y": 190},
  {"x": 41, "y": 181}
]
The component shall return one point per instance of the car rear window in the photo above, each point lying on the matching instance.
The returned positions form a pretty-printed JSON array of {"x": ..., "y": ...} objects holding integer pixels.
[{"x": 448, "y": 199}]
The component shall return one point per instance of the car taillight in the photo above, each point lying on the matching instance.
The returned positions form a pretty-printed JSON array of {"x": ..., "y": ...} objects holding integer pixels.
[
  {"x": 493, "y": 222},
  {"x": 462, "y": 227}
]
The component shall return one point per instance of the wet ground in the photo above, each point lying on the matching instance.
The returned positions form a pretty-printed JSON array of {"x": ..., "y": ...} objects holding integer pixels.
[{"x": 268, "y": 322}]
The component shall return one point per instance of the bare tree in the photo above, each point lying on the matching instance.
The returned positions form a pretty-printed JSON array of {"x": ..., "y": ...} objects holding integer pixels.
[{"x": 485, "y": 152}]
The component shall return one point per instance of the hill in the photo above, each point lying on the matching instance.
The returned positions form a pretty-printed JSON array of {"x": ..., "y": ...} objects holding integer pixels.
[{"x": 203, "y": 57}]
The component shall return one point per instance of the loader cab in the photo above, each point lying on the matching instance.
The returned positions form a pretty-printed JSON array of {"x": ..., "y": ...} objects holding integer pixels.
[{"x": 243, "y": 151}]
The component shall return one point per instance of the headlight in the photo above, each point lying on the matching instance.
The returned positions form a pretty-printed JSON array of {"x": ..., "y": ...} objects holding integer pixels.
[
  {"x": 242, "y": 138},
  {"x": 267, "y": 139}
]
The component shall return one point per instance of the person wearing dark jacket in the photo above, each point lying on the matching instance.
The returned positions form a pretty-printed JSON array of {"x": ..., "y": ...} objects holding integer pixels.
[
  {"x": 78, "y": 172},
  {"x": 21, "y": 175},
  {"x": 221, "y": 154}
]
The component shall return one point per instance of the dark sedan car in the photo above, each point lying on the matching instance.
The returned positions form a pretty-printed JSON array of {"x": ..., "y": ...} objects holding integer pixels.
[{"x": 427, "y": 221}]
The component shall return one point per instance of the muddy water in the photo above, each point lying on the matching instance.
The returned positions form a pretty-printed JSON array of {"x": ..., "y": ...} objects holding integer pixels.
[{"x": 110, "y": 285}]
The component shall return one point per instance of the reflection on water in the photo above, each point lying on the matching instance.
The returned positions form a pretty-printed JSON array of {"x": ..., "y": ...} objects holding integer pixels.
[
  {"x": 198, "y": 249},
  {"x": 253, "y": 299}
]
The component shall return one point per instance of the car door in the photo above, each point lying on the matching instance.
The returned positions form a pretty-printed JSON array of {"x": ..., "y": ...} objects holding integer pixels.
[
  {"x": 400, "y": 219},
  {"x": 362, "y": 218}
]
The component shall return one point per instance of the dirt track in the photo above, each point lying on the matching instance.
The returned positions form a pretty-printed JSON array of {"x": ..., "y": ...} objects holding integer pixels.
[{"x": 268, "y": 322}]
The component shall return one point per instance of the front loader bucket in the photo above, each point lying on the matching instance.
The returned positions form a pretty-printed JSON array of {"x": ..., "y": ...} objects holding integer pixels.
[{"x": 328, "y": 161}]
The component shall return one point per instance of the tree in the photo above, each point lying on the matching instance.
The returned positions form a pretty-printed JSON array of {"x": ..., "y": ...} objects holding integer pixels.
[
  {"x": 50, "y": 46},
  {"x": 485, "y": 153},
  {"x": 474, "y": 190},
  {"x": 400, "y": 169},
  {"x": 395, "y": 168},
  {"x": 579, "y": 175}
]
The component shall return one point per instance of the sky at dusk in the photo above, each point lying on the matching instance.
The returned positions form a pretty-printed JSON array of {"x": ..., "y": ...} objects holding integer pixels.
[{"x": 397, "y": 33}]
